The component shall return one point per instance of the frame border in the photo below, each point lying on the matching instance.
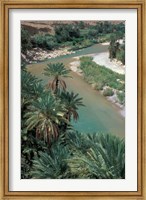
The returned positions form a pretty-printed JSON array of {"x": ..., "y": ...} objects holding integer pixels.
[{"x": 5, "y": 5}]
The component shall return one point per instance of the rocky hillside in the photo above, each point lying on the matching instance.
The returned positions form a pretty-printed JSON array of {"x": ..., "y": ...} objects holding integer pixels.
[{"x": 35, "y": 27}]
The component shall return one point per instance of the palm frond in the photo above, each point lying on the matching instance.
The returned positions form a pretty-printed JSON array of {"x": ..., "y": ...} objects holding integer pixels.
[
  {"x": 51, "y": 165},
  {"x": 102, "y": 158},
  {"x": 46, "y": 114}
]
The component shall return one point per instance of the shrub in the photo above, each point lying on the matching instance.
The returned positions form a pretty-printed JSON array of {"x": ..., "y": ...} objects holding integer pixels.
[
  {"x": 121, "y": 97},
  {"x": 101, "y": 76},
  {"x": 99, "y": 86},
  {"x": 108, "y": 92},
  {"x": 44, "y": 41},
  {"x": 25, "y": 40},
  {"x": 66, "y": 32},
  {"x": 121, "y": 55}
]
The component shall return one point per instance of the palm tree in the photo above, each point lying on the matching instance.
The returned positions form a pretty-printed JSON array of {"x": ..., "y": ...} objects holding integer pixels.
[
  {"x": 51, "y": 164},
  {"x": 72, "y": 102},
  {"x": 104, "y": 157},
  {"x": 31, "y": 88},
  {"x": 82, "y": 156},
  {"x": 57, "y": 70},
  {"x": 45, "y": 115}
]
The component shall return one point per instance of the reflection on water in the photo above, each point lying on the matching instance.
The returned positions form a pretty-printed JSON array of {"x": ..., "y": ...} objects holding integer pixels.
[{"x": 98, "y": 115}]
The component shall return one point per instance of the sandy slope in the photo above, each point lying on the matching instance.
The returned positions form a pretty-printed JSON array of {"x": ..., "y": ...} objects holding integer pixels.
[{"x": 103, "y": 59}]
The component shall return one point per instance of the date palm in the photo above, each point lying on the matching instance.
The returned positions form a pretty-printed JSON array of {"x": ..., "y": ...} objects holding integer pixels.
[
  {"x": 57, "y": 71},
  {"x": 72, "y": 102},
  {"x": 31, "y": 88},
  {"x": 98, "y": 156},
  {"x": 52, "y": 164},
  {"x": 45, "y": 115}
]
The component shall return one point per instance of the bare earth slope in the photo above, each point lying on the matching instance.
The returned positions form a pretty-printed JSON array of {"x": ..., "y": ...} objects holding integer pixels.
[{"x": 35, "y": 27}]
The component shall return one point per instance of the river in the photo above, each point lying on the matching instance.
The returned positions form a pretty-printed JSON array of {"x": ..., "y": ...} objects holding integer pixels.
[{"x": 98, "y": 115}]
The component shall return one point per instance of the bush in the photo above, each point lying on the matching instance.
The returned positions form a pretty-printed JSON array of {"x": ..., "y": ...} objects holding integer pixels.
[
  {"x": 66, "y": 32},
  {"x": 99, "y": 86},
  {"x": 44, "y": 41},
  {"x": 101, "y": 76},
  {"x": 108, "y": 92},
  {"x": 25, "y": 40},
  {"x": 121, "y": 55},
  {"x": 121, "y": 97}
]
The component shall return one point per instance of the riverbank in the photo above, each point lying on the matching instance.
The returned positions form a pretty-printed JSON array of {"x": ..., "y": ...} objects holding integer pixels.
[
  {"x": 99, "y": 114},
  {"x": 103, "y": 60},
  {"x": 114, "y": 65},
  {"x": 37, "y": 54},
  {"x": 100, "y": 58}
]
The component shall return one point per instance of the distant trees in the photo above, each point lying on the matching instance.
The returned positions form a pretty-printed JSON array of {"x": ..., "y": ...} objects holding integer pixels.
[
  {"x": 75, "y": 35},
  {"x": 121, "y": 54},
  {"x": 81, "y": 25},
  {"x": 44, "y": 41},
  {"x": 66, "y": 32},
  {"x": 116, "y": 50},
  {"x": 114, "y": 46},
  {"x": 25, "y": 41}
]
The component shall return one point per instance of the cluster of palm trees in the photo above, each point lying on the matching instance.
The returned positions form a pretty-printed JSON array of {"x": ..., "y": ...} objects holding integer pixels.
[
  {"x": 51, "y": 108},
  {"x": 50, "y": 147},
  {"x": 46, "y": 112},
  {"x": 82, "y": 156}
]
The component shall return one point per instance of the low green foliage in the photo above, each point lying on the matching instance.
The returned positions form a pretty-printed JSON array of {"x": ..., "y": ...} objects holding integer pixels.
[
  {"x": 121, "y": 97},
  {"x": 83, "y": 44},
  {"x": 101, "y": 75},
  {"x": 96, "y": 156},
  {"x": 44, "y": 41},
  {"x": 108, "y": 92}
]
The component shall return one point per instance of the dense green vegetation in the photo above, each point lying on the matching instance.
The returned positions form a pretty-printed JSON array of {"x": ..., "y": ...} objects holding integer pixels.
[
  {"x": 117, "y": 50},
  {"x": 102, "y": 77},
  {"x": 46, "y": 41},
  {"x": 108, "y": 92},
  {"x": 78, "y": 36},
  {"x": 50, "y": 147},
  {"x": 84, "y": 156},
  {"x": 26, "y": 42}
]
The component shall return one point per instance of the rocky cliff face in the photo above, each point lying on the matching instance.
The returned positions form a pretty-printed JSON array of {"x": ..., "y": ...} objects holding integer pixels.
[{"x": 35, "y": 27}]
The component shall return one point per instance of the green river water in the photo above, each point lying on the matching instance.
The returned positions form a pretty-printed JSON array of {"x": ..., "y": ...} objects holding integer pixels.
[{"x": 98, "y": 115}]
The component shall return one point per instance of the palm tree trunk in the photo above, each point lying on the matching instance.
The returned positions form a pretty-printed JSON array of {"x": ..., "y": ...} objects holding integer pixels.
[{"x": 57, "y": 85}]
